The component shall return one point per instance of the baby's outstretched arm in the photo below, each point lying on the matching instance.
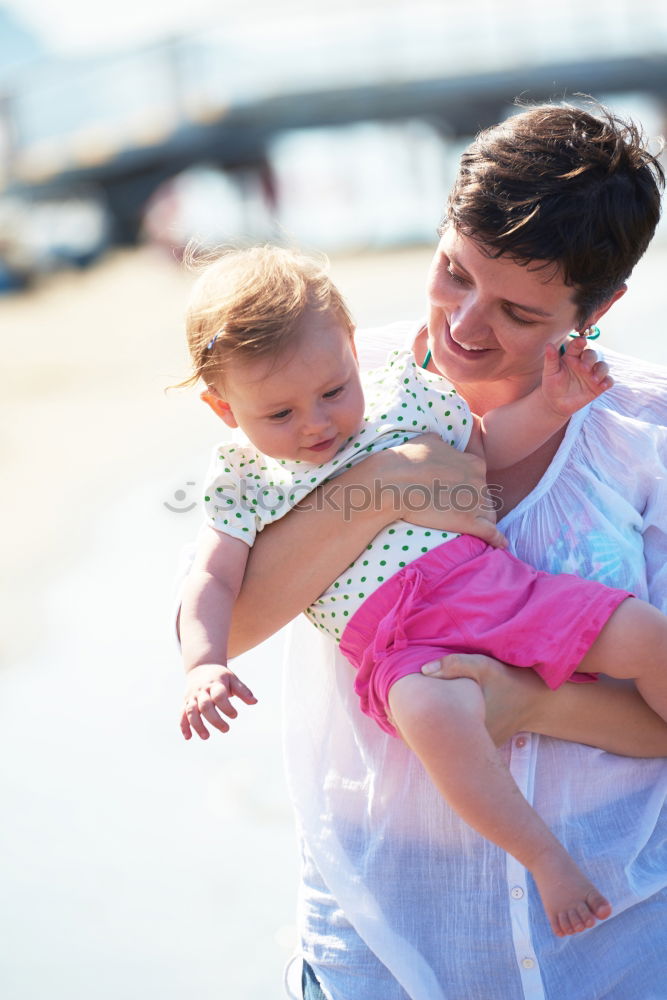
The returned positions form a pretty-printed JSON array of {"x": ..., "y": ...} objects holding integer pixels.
[
  {"x": 569, "y": 382},
  {"x": 572, "y": 380},
  {"x": 210, "y": 591}
]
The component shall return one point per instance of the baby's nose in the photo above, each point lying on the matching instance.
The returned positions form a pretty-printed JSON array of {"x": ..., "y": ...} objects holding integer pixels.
[{"x": 316, "y": 421}]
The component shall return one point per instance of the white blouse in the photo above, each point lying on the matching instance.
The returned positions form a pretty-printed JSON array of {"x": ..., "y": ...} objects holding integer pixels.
[{"x": 399, "y": 898}]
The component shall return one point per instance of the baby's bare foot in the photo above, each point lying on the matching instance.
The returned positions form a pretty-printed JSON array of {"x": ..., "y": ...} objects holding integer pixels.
[{"x": 571, "y": 901}]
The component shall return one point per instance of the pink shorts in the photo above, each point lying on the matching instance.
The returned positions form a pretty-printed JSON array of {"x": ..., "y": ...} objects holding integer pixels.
[{"x": 466, "y": 597}]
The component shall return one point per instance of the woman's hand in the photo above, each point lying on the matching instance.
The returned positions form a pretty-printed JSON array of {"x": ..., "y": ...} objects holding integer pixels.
[
  {"x": 427, "y": 482},
  {"x": 609, "y": 715},
  {"x": 513, "y": 696}
]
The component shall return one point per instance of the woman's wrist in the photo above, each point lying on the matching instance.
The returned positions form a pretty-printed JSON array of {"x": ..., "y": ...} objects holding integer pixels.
[
  {"x": 428, "y": 482},
  {"x": 393, "y": 473}
]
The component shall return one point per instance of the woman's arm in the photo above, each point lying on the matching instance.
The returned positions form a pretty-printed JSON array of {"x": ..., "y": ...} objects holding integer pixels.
[
  {"x": 610, "y": 715},
  {"x": 294, "y": 560}
]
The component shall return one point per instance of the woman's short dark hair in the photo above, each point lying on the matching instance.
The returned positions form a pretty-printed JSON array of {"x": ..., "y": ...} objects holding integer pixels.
[{"x": 558, "y": 184}]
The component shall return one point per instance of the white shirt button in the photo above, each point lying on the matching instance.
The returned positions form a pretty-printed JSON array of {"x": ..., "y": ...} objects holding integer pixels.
[
  {"x": 527, "y": 963},
  {"x": 520, "y": 742},
  {"x": 517, "y": 892}
]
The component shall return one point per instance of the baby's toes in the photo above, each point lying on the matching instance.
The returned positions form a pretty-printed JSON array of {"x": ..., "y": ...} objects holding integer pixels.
[
  {"x": 585, "y": 915},
  {"x": 598, "y": 905},
  {"x": 576, "y": 920},
  {"x": 556, "y": 927},
  {"x": 562, "y": 925}
]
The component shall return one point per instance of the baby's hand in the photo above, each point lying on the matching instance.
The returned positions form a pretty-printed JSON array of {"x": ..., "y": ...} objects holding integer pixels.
[
  {"x": 208, "y": 690},
  {"x": 572, "y": 380}
]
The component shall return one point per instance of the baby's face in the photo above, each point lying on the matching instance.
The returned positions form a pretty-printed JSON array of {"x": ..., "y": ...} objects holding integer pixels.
[{"x": 305, "y": 404}]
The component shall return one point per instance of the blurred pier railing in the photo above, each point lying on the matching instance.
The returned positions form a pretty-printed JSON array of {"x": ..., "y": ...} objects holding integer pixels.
[{"x": 221, "y": 94}]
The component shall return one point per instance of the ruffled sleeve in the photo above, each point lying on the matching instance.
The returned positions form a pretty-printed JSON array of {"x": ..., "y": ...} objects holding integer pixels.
[{"x": 227, "y": 507}]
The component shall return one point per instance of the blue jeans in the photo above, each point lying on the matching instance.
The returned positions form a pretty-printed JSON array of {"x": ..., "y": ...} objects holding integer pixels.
[{"x": 309, "y": 984}]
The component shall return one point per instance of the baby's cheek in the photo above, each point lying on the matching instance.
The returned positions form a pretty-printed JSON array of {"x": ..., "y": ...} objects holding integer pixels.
[{"x": 359, "y": 408}]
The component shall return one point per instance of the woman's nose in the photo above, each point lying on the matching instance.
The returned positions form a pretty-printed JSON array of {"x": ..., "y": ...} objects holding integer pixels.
[{"x": 468, "y": 318}]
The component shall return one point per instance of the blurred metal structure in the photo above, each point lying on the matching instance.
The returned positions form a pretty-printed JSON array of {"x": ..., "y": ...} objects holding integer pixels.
[{"x": 128, "y": 121}]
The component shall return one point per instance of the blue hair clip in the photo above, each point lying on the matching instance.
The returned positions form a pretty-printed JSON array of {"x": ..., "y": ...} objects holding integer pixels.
[{"x": 211, "y": 343}]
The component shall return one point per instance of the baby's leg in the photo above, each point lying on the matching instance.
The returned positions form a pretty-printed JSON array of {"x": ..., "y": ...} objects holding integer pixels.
[
  {"x": 443, "y": 722},
  {"x": 633, "y": 645}
]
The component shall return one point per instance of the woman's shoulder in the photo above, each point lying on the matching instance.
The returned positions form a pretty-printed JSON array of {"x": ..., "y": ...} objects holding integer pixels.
[
  {"x": 375, "y": 344},
  {"x": 623, "y": 434},
  {"x": 639, "y": 391}
]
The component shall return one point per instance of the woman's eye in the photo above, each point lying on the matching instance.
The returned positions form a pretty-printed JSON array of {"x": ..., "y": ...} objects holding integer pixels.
[
  {"x": 280, "y": 416},
  {"x": 458, "y": 278},
  {"x": 519, "y": 320},
  {"x": 332, "y": 393}
]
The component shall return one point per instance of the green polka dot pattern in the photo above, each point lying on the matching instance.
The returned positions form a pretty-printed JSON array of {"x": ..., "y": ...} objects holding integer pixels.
[{"x": 253, "y": 490}]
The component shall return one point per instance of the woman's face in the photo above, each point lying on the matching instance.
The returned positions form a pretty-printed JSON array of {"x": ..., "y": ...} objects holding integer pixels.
[{"x": 490, "y": 318}]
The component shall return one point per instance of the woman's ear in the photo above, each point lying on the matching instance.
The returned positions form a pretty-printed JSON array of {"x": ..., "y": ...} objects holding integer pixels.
[
  {"x": 220, "y": 406},
  {"x": 601, "y": 310}
]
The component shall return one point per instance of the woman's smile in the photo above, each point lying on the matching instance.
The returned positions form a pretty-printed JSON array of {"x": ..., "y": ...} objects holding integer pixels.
[{"x": 471, "y": 351}]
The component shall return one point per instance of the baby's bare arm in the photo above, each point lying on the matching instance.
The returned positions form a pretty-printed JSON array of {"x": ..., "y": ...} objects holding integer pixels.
[
  {"x": 569, "y": 382},
  {"x": 210, "y": 591},
  {"x": 208, "y": 598}
]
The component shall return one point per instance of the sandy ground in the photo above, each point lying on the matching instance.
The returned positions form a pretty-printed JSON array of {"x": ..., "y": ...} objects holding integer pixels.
[
  {"x": 134, "y": 865},
  {"x": 86, "y": 358}
]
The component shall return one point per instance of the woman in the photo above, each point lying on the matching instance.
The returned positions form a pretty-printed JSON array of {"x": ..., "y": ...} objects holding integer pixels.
[{"x": 399, "y": 898}]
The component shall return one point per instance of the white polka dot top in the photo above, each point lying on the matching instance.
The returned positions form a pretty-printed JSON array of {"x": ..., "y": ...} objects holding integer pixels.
[{"x": 247, "y": 490}]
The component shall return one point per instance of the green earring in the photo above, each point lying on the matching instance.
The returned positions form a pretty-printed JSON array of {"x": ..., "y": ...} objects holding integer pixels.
[{"x": 590, "y": 333}]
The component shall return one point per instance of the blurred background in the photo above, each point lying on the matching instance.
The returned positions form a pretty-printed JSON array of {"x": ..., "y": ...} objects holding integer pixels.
[{"x": 133, "y": 864}]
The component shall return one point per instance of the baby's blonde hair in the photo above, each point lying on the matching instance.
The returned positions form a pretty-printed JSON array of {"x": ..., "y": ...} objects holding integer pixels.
[{"x": 247, "y": 305}]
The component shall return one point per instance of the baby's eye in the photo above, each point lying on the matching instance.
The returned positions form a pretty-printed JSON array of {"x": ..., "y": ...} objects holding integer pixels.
[
  {"x": 279, "y": 416},
  {"x": 332, "y": 393}
]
